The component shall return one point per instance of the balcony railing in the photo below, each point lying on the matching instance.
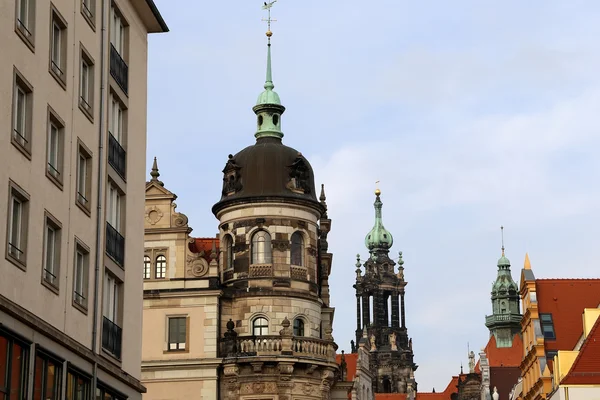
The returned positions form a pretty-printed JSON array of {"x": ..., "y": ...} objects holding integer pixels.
[
  {"x": 275, "y": 345},
  {"x": 111, "y": 337},
  {"x": 119, "y": 69},
  {"x": 116, "y": 155},
  {"x": 115, "y": 244},
  {"x": 508, "y": 318}
]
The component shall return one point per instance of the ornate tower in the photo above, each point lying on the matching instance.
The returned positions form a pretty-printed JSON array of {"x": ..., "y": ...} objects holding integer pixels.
[
  {"x": 380, "y": 311},
  {"x": 505, "y": 321},
  {"x": 275, "y": 319}
]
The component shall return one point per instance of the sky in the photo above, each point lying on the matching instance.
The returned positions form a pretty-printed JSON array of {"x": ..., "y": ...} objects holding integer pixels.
[{"x": 471, "y": 114}]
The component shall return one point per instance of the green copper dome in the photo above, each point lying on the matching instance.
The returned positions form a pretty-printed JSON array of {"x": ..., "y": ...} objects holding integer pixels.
[
  {"x": 503, "y": 261},
  {"x": 379, "y": 238}
]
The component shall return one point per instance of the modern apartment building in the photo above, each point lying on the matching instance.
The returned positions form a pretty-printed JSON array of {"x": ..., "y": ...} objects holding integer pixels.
[{"x": 73, "y": 87}]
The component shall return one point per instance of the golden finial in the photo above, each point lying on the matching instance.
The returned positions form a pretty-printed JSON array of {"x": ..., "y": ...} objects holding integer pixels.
[
  {"x": 377, "y": 191},
  {"x": 268, "y": 20},
  {"x": 269, "y": 34}
]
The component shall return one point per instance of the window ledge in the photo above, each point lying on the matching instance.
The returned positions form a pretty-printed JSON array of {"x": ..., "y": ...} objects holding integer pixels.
[
  {"x": 110, "y": 357},
  {"x": 87, "y": 17},
  {"x": 51, "y": 287},
  {"x": 80, "y": 307},
  {"x": 22, "y": 265},
  {"x": 183, "y": 351},
  {"x": 86, "y": 210},
  {"x": 60, "y": 80},
  {"x": 87, "y": 112},
  {"x": 28, "y": 40},
  {"x": 54, "y": 179},
  {"x": 23, "y": 149}
]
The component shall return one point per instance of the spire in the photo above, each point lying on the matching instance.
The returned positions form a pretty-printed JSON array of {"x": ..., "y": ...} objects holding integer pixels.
[
  {"x": 268, "y": 108},
  {"x": 527, "y": 264},
  {"x": 155, "y": 174},
  {"x": 379, "y": 239},
  {"x": 322, "y": 199},
  {"x": 503, "y": 262}
]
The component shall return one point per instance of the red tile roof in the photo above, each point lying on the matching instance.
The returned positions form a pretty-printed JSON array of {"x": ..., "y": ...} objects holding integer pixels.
[
  {"x": 390, "y": 396},
  {"x": 351, "y": 360},
  {"x": 204, "y": 245},
  {"x": 445, "y": 395},
  {"x": 565, "y": 299},
  {"x": 586, "y": 367},
  {"x": 504, "y": 356}
]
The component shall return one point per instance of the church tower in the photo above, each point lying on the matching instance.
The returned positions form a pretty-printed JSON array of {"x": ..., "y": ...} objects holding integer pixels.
[
  {"x": 505, "y": 321},
  {"x": 275, "y": 318},
  {"x": 380, "y": 312}
]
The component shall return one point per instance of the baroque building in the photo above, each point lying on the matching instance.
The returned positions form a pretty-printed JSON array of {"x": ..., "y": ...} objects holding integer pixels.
[
  {"x": 380, "y": 313},
  {"x": 245, "y": 315},
  {"x": 73, "y": 95}
]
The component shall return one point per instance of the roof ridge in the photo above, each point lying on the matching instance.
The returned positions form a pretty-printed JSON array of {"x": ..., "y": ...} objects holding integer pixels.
[
  {"x": 568, "y": 279},
  {"x": 594, "y": 334}
]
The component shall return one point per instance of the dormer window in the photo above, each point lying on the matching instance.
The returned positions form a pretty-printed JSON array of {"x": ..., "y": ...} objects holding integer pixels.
[{"x": 261, "y": 248}]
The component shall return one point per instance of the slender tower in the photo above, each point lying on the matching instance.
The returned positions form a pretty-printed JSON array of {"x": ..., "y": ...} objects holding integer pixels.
[
  {"x": 505, "y": 321},
  {"x": 380, "y": 312},
  {"x": 275, "y": 319}
]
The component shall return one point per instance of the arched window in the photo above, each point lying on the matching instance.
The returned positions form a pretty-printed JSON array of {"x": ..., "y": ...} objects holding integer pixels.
[
  {"x": 228, "y": 264},
  {"x": 261, "y": 248},
  {"x": 260, "y": 326},
  {"x": 298, "y": 327},
  {"x": 387, "y": 385},
  {"x": 161, "y": 267},
  {"x": 297, "y": 251},
  {"x": 147, "y": 267}
]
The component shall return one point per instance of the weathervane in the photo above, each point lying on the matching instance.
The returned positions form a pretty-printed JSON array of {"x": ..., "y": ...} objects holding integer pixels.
[
  {"x": 267, "y": 6},
  {"x": 377, "y": 191},
  {"x": 502, "y": 232}
]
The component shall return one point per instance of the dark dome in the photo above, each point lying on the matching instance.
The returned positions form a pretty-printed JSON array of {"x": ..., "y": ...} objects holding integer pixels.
[{"x": 267, "y": 171}]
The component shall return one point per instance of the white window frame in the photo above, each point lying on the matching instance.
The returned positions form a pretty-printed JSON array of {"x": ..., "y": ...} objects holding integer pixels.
[
  {"x": 15, "y": 233},
  {"x": 113, "y": 207},
  {"x": 80, "y": 276},
  {"x": 84, "y": 83},
  {"x": 51, "y": 256},
  {"x": 56, "y": 49},
  {"x": 116, "y": 119},
  {"x": 82, "y": 173},
  {"x": 117, "y": 31},
  {"x": 147, "y": 267},
  {"x": 111, "y": 298},
  {"x": 26, "y": 18},
  {"x": 54, "y": 167},
  {"x": 20, "y": 119}
]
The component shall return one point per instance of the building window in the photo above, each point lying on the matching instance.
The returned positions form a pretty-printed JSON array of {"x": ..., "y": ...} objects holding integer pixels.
[
  {"x": 547, "y": 326},
  {"x": 54, "y": 148},
  {"x": 78, "y": 386},
  {"x": 52, "y": 238},
  {"x": 161, "y": 267},
  {"x": 103, "y": 393},
  {"x": 22, "y": 114},
  {"x": 25, "y": 21},
  {"x": 111, "y": 331},
  {"x": 297, "y": 250},
  {"x": 14, "y": 367},
  {"x": 260, "y": 326},
  {"x": 147, "y": 267},
  {"x": 113, "y": 211},
  {"x": 118, "y": 67},
  {"x": 58, "y": 47},
  {"x": 298, "y": 327},
  {"x": 88, "y": 9},
  {"x": 228, "y": 252},
  {"x": 47, "y": 377},
  {"x": 80, "y": 277},
  {"x": 86, "y": 84},
  {"x": 84, "y": 178},
  {"x": 261, "y": 248},
  {"x": 116, "y": 130},
  {"x": 177, "y": 333},
  {"x": 18, "y": 218}
]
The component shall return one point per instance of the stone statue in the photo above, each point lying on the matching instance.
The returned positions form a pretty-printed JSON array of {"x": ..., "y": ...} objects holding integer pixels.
[
  {"x": 392, "y": 337},
  {"x": 373, "y": 345},
  {"x": 410, "y": 344},
  {"x": 352, "y": 346},
  {"x": 471, "y": 362},
  {"x": 496, "y": 395}
]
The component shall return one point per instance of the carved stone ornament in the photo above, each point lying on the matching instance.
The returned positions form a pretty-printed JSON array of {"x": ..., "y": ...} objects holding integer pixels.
[
  {"x": 258, "y": 387},
  {"x": 178, "y": 219},
  {"x": 197, "y": 266},
  {"x": 153, "y": 215},
  {"x": 299, "y": 175},
  {"x": 307, "y": 388},
  {"x": 231, "y": 177}
]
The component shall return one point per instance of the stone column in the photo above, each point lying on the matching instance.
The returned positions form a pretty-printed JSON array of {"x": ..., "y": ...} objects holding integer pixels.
[
  {"x": 386, "y": 310},
  {"x": 365, "y": 311},
  {"x": 395, "y": 311},
  {"x": 379, "y": 309},
  {"x": 402, "y": 310},
  {"x": 358, "y": 327}
]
